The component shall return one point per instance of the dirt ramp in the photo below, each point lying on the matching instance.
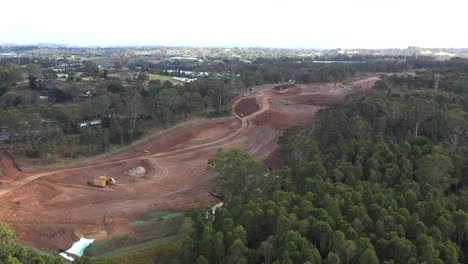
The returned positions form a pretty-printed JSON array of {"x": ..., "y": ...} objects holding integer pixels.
[
  {"x": 246, "y": 107},
  {"x": 186, "y": 134},
  {"x": 8, "y": 164}
]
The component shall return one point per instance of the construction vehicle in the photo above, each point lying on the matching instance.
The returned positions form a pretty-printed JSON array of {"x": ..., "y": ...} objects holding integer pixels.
[
  {"x": 142, "y": 152},
  {"x": 338, "y": 84},
  {"x": 102, "y": 181}
]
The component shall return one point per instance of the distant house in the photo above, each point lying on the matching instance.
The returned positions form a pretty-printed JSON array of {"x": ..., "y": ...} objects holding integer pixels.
[
  {"x": 44, "y": 98},
  {"x": 62, "y": 75},
  {"x": 99, "y": 80},
  {"x": 185, "y": 58},
  {"x": 187, "y": 72},
  {"x": 90, "y": 124},
  {"x": 85, "y": 94},
  {"x": 193, "y": 73},
  {"x": 182, "y": 79},
  {"x": 8, "y": 54},
  {"x": 47, "y": 120},
  {"x": 95, "y": 123},
  {"x": 125, "y": 73},
  {"x": 203, "y": 74}
]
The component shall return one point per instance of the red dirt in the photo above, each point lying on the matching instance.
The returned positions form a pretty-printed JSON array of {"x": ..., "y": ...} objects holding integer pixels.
[
  {"x": 183, "y": 135},
  {"x": 10, "y": 169},
  {"x": 274, "y": 161},
  {"x": 272, "y": 119},
  {"x": 315, "y": 99},
  {"x": 246, "y": 107},
  {"x": 50, "y": 209},
  {"x": 289, "y": 91},
  {"x": 366, "y": 84},
  {"x": 282, "y": 87}
]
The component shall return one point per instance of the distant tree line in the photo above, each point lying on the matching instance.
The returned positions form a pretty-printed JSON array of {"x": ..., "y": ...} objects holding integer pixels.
[{"x": 453, "y": 77}]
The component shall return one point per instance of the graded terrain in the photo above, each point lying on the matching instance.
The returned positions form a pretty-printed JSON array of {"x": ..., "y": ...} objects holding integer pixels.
[{"x": 49, "y": 209}]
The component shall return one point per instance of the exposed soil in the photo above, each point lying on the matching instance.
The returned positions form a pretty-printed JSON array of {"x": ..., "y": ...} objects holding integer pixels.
[
  {"x": 274, "y": 161},
  {"x": 282, "y": 87},
  {"x": 8, "y": 165},
  {"x": 315, "y": 99},
  {"x": 290, "y": 91},
  {"x": 50, "y": 209},
  {"x": 186, "y": 134},
  {"x": 246, "y": 107},
  {"x": 272, "y": 119}
]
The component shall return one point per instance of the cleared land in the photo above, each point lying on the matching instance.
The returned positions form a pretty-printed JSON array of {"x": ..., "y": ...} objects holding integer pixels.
[
  {"x": 49, "y": 209},
  {"x": 163, "y": 78}
]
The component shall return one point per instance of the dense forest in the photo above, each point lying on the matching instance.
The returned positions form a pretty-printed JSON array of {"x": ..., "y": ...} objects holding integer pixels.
[{"x": 379, "y": 178}]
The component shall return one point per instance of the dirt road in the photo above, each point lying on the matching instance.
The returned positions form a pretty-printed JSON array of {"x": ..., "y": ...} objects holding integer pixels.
[{"x": 50, "y": 209}]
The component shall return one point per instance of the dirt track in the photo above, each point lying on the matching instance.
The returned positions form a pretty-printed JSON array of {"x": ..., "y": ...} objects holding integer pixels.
[{"x": 50, "y": 209}]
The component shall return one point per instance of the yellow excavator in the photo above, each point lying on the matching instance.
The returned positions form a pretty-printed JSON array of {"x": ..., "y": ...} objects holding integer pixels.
[
  {"x": 102, "y": 181},
  {"x": 338, "y": 84}
]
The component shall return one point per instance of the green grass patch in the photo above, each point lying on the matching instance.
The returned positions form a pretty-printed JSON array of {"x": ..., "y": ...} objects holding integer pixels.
[
  {"x": 154, "y": 227},
  {"x": 163, "y": 78},
  {"x": 160, "y": 224},
  {"x": 154, "y": 215},
  {"x": 157, "y": 254},
  {"x": 110, "y": 244}
]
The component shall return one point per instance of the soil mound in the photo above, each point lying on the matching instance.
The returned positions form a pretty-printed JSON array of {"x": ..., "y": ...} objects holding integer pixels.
[
  {"x": 246, "y": 107},
  {"x": 8, "y": 165}
]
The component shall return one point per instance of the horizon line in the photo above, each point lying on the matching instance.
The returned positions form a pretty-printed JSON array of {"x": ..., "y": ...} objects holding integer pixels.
[{"x": 214, "y": 46}]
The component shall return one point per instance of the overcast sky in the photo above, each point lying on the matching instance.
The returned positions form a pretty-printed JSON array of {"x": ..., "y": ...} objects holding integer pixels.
[{"x": 240, "y": 23}]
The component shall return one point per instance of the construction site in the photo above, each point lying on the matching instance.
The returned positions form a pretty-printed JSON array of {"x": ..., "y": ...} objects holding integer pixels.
[{"x": 49, "y": 209}]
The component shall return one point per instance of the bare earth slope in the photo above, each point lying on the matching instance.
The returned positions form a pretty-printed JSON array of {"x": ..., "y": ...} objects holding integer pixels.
[{"x": 50, "y": 209}]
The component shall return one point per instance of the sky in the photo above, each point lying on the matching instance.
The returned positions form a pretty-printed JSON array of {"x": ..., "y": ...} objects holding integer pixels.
[{"x": 324, "y": 24}]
